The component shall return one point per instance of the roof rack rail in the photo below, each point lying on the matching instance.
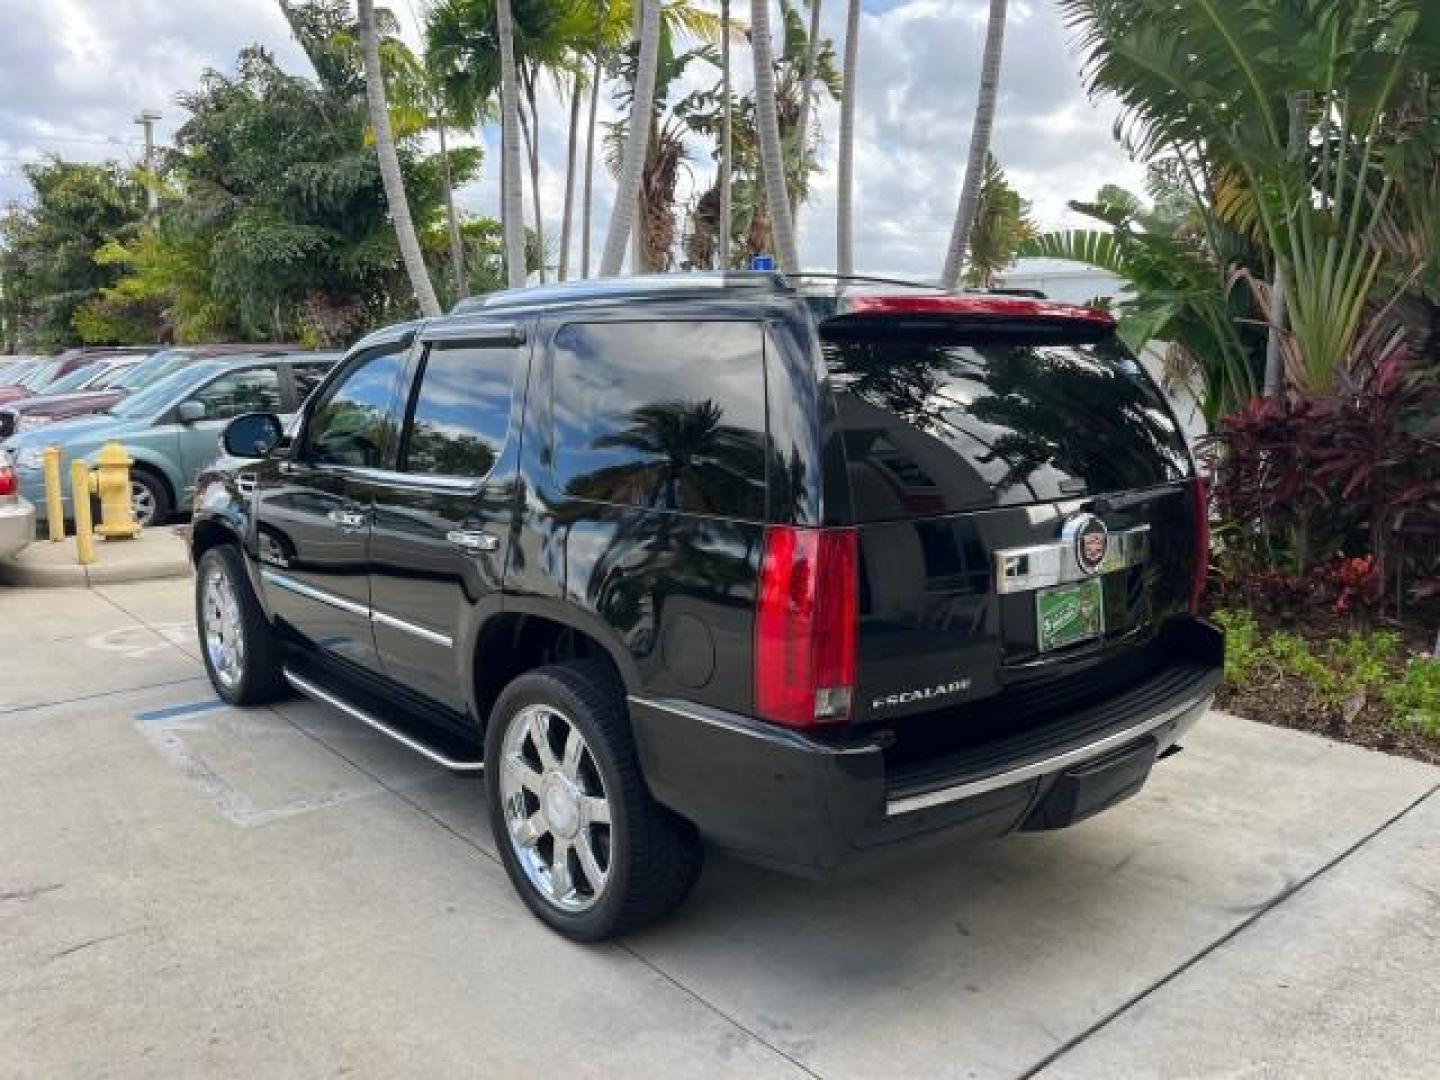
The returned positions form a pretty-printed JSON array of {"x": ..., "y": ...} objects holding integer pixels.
[{"x": 868, "y": 279}]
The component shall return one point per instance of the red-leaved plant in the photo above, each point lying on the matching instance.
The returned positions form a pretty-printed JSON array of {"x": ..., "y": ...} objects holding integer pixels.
[{"x": 1298, "y": 481}]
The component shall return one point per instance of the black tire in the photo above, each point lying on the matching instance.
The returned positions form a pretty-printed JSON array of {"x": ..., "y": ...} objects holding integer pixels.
[
  {"x": 654, "y": 856},
  {"x": 158, "y": 494},
  {"x": 260, "y": 678}
]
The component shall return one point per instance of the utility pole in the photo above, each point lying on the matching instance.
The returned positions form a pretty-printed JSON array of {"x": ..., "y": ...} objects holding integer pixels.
[{"x": 147, "y": 119}]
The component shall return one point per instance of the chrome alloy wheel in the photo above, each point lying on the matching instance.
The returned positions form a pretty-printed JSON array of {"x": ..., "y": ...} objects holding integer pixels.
[
  {"x": 224, "y": 632},
  {"x": 556, "y": 812},
  {"x": 142, "y": 503}
]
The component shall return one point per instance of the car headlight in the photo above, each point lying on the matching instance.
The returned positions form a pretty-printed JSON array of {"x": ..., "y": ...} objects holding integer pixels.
[
  {"x": 30, "y": 423},
  {"x": 30, "y": 457}
]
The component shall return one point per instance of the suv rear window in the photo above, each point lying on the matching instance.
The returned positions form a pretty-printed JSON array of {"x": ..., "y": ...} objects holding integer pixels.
[
  {"x": 664, "y": 415},
  {"x": 943, "y": 419}
]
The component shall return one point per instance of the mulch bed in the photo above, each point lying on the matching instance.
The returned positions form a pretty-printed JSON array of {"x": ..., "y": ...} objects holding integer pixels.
[
  {"x": 1278, "y": 697},
  {"x": 1289, "y": 702}
]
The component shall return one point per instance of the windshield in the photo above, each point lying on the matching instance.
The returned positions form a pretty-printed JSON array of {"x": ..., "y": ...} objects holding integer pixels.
[
  {"x": 76, "y": 379},
  {"x": 41, "y": 377},
  {"x": 153, "y": 367},
  {"x": 111, "y": 378},
  {"x": 937, "y": 422},
  {"x": 162, "y": 394}
]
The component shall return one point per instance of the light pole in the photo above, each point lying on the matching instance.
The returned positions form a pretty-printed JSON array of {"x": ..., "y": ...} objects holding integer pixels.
[{"x": 147, "y": 119}]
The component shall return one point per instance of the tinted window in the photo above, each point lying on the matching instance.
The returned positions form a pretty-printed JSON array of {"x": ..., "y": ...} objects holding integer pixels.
[
  {"x": 353, "y": 424},
  {"x": 664, "y": 415},
  {"x": 461, "y": 412},
  {"x": 253, "y": 390},
  {"x": 936, "y": 422}
]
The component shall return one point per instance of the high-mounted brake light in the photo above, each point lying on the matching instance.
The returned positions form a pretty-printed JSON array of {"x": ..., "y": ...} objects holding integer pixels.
[
  {"x": 1200, "y": 495},
  {"x": 1013, "y": 307},
  {"x": 9, "y": 485},
  {"x": 806, "y": 623}
]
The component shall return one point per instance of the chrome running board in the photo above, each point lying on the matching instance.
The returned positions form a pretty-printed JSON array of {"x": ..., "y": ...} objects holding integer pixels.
[{"x": 326, "y": 697}]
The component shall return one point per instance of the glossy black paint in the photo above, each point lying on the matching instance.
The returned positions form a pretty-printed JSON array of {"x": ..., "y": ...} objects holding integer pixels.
[{"x": 644, "y": 546}]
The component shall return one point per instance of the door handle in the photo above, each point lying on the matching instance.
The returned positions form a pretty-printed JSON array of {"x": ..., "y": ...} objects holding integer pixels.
[
  {"x": 348, "y": 520},
  {"x": 473, "y": 540}
]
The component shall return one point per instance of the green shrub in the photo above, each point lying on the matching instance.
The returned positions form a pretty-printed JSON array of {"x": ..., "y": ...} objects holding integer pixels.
[
  {"x": 1371, "y": 666},
  {"x": 1414, "y": 700}
]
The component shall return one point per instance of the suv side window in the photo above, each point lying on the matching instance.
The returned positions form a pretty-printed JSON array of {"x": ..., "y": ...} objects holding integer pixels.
[
  {"x": 353, "y": 424},
  {"x": 460, "y": 413},
  {"x": 251, "y": 390},
  {"x": 665, "y": 415}
]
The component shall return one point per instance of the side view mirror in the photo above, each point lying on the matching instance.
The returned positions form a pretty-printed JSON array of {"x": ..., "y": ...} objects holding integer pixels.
[
  {"x": 189, "y": 412},
  {"x": 253, "y": 435}
]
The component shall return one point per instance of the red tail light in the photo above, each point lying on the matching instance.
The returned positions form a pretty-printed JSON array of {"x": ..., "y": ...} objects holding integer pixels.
[
  {"x": 806, "y": 622},
  {"x": 1200, "y": 493},
  {"x": 8, "y": 484}
]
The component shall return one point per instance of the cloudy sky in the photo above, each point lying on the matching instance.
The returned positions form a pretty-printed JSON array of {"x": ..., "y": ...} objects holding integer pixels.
[{"x": 73, "y": 73}]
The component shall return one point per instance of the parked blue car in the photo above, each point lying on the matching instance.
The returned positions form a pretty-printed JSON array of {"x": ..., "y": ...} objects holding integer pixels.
[{"x": 171, "y": 428}]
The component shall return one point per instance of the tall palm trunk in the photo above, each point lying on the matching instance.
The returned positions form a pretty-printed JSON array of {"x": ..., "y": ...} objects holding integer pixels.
[
  {"x": 807, "y": 84},
  {"x": 637, "y": 248},
  {"x": 531, "y": 128},
  {"x": 627, "y": 195},
  {"x": 845, "y": 197},
  {"x": 589, "y": 198},
  {"x": 390, "y": 165},
  {"x": 452, "y": 220},
  {"x": 979, "y": 144},
  {"x": 512, "y": 196},
  {"x": 772, "y": 154},
  {"x": 567, "y": 218},
  {"x": 727, "y": 138},
  {"x": 1274, "y": 384}
]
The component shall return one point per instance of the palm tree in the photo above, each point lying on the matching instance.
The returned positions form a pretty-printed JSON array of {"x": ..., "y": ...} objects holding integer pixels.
[
  {"x": 727, "y": 138},
  {"x": 588, "y": 199},
  {"x": 802, "y": 126},
  {"x": 772, "y": 153},
  {"x": 1320, "y": 213},
  {"x": 390, "y": 176},
  {"x": 627, "y": 195},
  {"x": 845, "y": 196},
  {"x": 513, "y": 202},
  {"x": 1002, "y": 224},
  {"x": 979, "y": 143},
  {"x": 567, "y": 217}
]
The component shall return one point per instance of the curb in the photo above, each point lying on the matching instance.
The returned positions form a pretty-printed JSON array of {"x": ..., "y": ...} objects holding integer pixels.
[{"x": 25, "y": 570}]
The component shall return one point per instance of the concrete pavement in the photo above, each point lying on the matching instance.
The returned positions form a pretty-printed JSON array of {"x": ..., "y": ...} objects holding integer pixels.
[{"x": 187, "y": 889}]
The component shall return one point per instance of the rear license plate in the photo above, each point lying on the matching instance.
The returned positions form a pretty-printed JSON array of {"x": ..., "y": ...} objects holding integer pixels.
[{"x": 1066, "y": 614}]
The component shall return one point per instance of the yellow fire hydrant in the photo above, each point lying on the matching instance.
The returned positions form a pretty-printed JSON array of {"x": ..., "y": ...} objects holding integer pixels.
[{"x": 111, "y": 481}]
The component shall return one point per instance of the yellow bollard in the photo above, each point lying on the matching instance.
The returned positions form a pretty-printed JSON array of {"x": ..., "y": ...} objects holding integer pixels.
[
  {"x": 111, "y": 481},
  {"x": 54, "y": 495},
  {"x": 84, "y": 526}
]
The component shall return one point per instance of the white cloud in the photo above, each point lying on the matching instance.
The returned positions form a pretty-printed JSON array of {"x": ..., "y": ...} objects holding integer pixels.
[{"x": 74, "y": 72}]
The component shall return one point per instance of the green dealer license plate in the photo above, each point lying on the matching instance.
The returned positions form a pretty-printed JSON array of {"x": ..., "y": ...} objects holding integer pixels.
[{"x": 1069, "y": 613}]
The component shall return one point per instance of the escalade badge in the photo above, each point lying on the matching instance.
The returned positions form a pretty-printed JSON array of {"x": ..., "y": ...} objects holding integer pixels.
[
  {"x": 905, "y": 697},
  {"x": 1091, "y": 541}
]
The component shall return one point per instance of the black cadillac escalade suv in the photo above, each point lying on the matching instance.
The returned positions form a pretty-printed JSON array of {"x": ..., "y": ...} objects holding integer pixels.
[{"x": 813, "y": 573}]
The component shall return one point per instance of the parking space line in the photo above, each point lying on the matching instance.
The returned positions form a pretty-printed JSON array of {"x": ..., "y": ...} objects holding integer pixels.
[
  {"x": 1223, "y": 940},
  {"x": 180, "y": 710},
  {"x": 99, "y": 695}
]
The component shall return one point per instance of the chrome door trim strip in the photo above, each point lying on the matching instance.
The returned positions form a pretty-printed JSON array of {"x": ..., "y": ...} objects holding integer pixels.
[
  {"x": 1044, "y": 767},
  {"x": 434, "y": 637},
  {"x": 311, "y": 690},
  {"x": 299, "y": 588}
]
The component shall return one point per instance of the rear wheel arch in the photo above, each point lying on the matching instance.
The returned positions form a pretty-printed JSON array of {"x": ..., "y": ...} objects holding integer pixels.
[{"x": 511, "y": 643}]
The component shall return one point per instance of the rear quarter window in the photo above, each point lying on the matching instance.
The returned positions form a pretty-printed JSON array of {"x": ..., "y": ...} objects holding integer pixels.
[
  {"x": 939, "y": 420},
  {"x": 662, "y": 415}
]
